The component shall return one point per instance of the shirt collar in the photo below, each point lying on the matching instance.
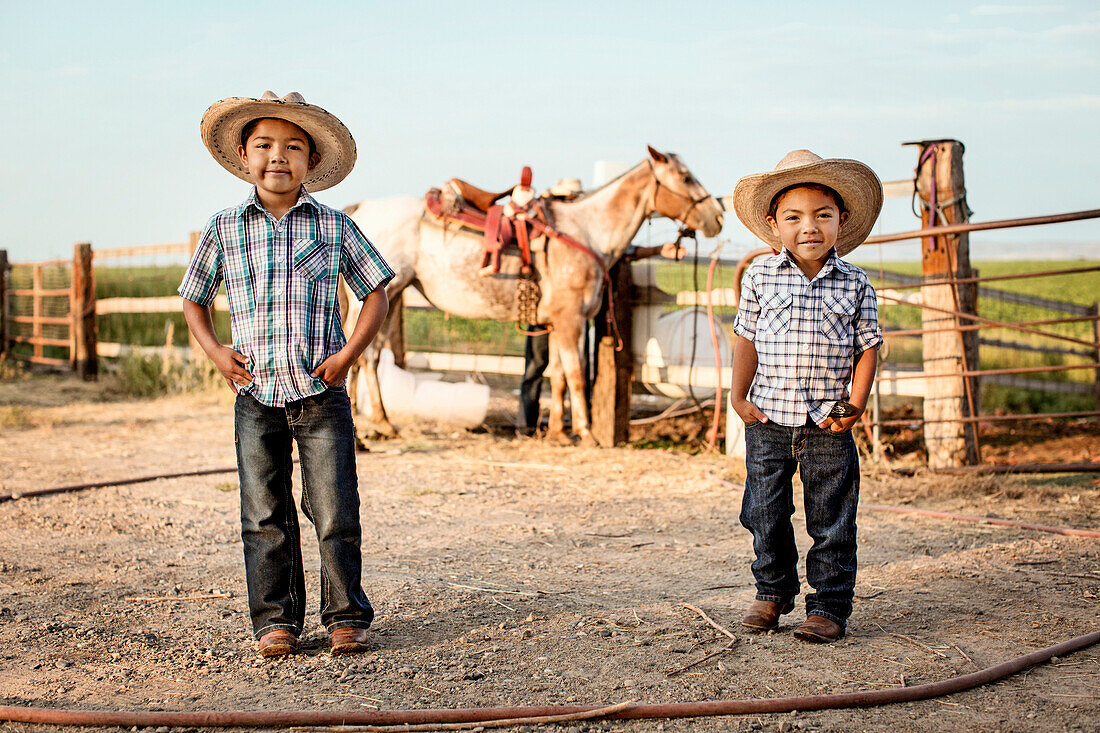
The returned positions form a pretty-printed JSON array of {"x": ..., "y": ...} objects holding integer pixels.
[
  {"x": 784, "y": 258},
  {"x": 253, "y": 200}
]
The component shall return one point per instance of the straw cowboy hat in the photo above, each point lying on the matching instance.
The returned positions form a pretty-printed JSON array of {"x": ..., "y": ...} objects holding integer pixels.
[
  {"x": 223, "y": 122},
  {"x": 855, "y": 182},
  {"x": 564, "y": 188}
]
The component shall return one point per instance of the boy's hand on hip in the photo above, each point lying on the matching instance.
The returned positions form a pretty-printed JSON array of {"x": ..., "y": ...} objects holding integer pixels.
[
  {"x": 333, "y": 370},
  {"x": 231, "y": 364},
  {"x": 749, "y": 412},
  {"x": 840, "y": 424}
]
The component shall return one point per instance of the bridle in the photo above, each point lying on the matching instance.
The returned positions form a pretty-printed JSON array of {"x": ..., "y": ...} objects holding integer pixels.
[{"x": 689, "y": 202}]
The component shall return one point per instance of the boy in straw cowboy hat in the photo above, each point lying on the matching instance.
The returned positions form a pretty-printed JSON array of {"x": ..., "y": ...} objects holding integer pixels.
[
  {"x": 280, "y": 253},
  {"x": 806, "y": 325}
]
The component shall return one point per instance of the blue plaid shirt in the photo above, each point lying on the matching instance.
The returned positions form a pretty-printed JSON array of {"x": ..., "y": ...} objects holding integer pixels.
[
  {"x": 281, "y": 281},
  {"x": 807, "y": 334}
]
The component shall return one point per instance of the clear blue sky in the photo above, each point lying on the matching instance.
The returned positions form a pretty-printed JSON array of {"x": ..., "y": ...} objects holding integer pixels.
[{"x": 103, "y": 100}]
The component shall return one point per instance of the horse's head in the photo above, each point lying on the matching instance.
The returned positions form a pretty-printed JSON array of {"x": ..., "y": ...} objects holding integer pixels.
[{"x": 678, "y": 195}]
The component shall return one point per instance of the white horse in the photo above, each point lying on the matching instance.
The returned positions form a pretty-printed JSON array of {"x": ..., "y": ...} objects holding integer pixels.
[{"x": 443, "y": 263}]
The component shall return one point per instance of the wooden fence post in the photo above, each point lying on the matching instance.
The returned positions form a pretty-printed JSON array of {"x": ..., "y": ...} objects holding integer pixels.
[
  {"x": 197, "y": 354},
  {"x": 614, "y": 369},
  {"x": 940, "y": 183},
  {"x": 3, "y": 303},
  {"x": 397, "y": 330},
  {"x": 1094, "y": 311},
  {"x": 83, "y": 313}
]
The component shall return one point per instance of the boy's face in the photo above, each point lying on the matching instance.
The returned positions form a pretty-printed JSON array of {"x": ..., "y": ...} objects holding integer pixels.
[
  {"x": 807, "y": 222},
  {"x": 277, "y": 156}
]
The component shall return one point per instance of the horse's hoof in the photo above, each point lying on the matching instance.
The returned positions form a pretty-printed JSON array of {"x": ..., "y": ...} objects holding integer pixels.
[
  {"x": 587, "y": 441},
  {"x": 375, "y": 431},
  {"x": 560, "y": 438}
]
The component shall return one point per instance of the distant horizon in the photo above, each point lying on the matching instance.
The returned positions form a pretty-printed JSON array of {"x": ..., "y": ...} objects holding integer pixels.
[{"x": 106, "y": 100}]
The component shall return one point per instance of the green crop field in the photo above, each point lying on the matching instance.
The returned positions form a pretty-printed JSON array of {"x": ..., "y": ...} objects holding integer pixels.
[{"x": 430, "y": 330}]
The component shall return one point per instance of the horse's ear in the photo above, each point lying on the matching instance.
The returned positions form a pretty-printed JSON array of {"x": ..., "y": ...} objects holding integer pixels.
[{"x": 657, "y": 155}]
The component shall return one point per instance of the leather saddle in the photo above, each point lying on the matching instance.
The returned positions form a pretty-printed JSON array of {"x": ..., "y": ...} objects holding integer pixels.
[{"x": 502, "y": 224}]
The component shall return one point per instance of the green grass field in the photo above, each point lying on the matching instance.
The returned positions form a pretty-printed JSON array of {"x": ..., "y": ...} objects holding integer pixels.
[
  {"x": 430, "y": 330},
  {"x": 1079, "y": 288}
]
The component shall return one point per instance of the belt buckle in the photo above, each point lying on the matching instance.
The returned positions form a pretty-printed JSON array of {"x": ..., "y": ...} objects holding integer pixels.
[{"x": 843, "y": 409}]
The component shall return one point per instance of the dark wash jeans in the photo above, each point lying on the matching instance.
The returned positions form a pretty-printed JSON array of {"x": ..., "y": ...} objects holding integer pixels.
[
  {"x": 323, "y": 429},
  {"x": 829, "y": 467},
  {"x": 536, "y": 357}
]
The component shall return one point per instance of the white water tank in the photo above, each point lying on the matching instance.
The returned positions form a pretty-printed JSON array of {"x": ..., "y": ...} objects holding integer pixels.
[
  {"x": 675, "y": 349},
  {"x": 425, "y": 395}
]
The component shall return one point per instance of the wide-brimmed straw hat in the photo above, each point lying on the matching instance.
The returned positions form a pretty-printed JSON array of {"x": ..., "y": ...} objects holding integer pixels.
[
  {"x": 223, "y": 122},
  {"x": 856, "y": 183},
  {"x": 564, "y": 188}
]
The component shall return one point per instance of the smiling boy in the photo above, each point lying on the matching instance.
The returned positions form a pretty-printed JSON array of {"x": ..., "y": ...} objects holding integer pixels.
[
  {"x": 279, "y": 254},
  {"x": 806, "y": 325}
]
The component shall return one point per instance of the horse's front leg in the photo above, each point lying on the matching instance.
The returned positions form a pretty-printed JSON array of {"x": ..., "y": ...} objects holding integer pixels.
[
  {"x": 377, "y": 424},
  {"x": 556, "y": 428},
  {"x": 574, "y": 377}
]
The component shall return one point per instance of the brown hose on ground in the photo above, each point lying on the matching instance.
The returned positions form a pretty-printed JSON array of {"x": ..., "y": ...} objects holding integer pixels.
[
  {"x": 712, "y": 434},
  {"x": 105, "y": 484},
  {"x": 273, "y": 718},
  {"x": 1068, "y": 531}
]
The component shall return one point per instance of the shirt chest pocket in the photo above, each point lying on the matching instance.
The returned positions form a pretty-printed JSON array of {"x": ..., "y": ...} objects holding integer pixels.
[
  {"x": 311, "y": 259},
  {"x": 839, "y": 314},
  {"x": 775, "y": 313}
]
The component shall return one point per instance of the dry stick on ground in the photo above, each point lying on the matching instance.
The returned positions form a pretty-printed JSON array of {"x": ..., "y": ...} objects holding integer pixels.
[
  {"x": 156, "y": 599},
  {"x": 960, "y": 651},
  {"x": 921, "y": 645},
  {"x": 686, "y": 667},
  {"x": 709, "y": 620},
  {"x": 716, "y": 625},
  {"x": 589, "y": 715},
  {"x": 505, "y": 605},
  {"x": 496, "y": 590}
]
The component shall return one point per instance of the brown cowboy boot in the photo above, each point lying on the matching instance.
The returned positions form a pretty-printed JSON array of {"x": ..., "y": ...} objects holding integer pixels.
[
  {"x": 348, "y": 640},
  {"x": 278, "y": 643},
  {"x": 819, "y": 630},
  {"x": 764, "y": 615}
]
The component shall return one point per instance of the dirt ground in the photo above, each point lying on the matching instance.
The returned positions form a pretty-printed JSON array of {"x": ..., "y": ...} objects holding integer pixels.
[{"x": 508, "y": 571}]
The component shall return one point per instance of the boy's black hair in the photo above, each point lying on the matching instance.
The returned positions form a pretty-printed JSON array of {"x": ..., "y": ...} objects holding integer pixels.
[
  {"x": 248, "y": 129},
  {"x": 837, "y": 198}
]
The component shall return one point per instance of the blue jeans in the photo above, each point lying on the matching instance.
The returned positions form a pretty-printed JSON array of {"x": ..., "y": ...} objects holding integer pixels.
[
  {"x": 323, "y": 429},
  {"x": 829, "y": 467},
  {"x": 536, "y": 357}
]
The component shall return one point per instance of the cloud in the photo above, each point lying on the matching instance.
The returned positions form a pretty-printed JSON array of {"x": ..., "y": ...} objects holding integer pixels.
[
  {"x": 1067, "y": 103},
  {"x": 1017, "y": 9}
]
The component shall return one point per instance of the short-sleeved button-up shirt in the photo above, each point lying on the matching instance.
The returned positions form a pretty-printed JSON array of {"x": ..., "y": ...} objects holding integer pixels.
[
  {"x": 281, "y": 279},
  {"x": 807, "y": 334}
]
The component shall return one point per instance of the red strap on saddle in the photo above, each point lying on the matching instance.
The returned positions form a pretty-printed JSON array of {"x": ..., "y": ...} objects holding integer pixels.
[{"x": 535, "y": 219}]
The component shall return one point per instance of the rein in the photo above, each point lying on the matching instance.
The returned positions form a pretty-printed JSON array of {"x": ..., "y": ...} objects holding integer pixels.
[{"x": 683, "y": 215}]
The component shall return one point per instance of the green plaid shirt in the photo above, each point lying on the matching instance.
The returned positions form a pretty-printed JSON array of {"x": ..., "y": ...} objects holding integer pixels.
[{"x": 281, "y": 281}]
